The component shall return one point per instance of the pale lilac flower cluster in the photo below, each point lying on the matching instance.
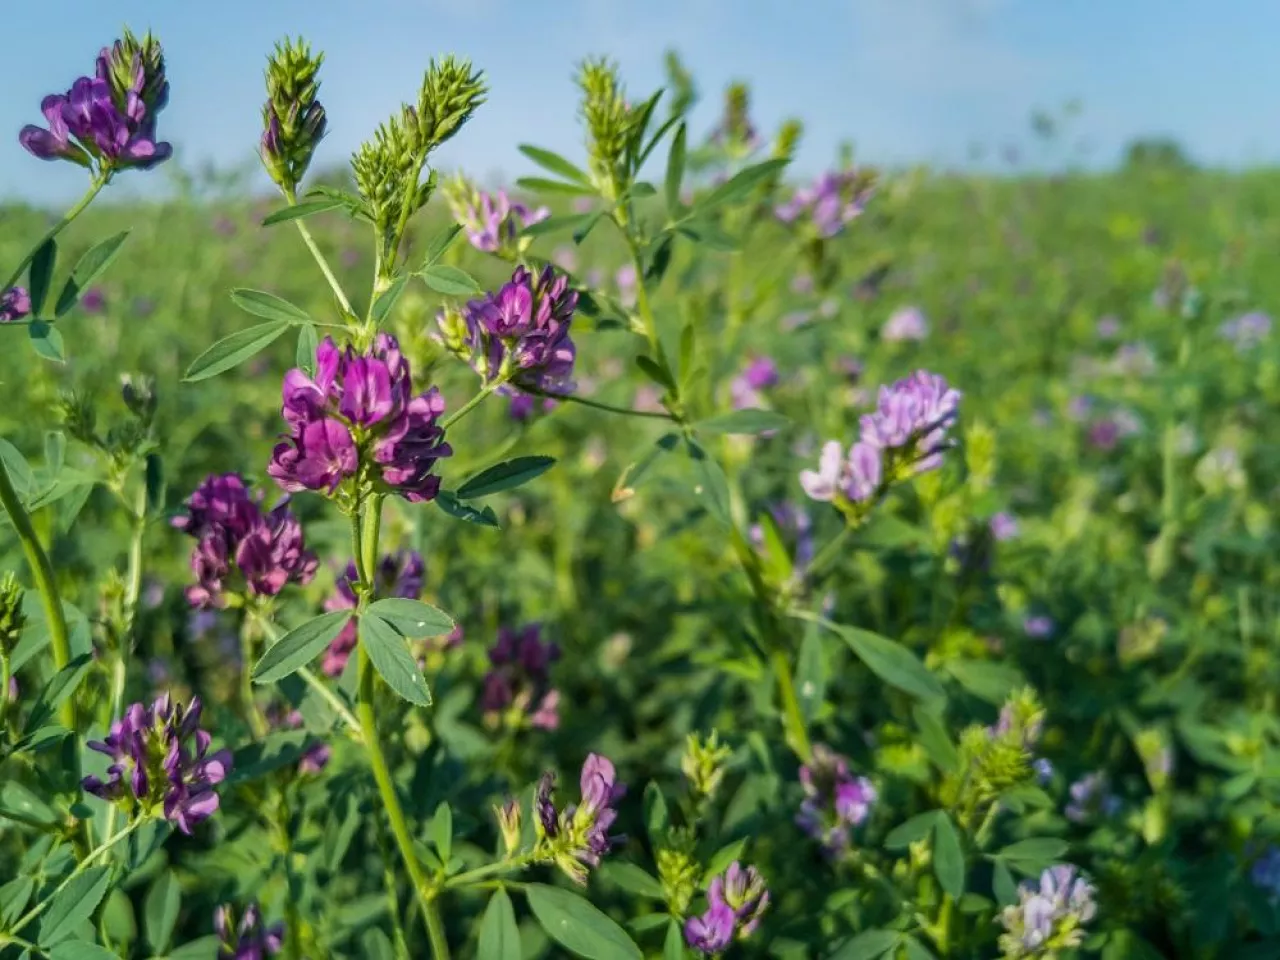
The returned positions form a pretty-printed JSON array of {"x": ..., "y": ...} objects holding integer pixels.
[
  {"x": 625, "y": 280},
  {"x": 905, "y": 323},
  {"x": 736, "y": 900},
  {"x": 1003, "y": 526},
  {"x": 1246, "y": 331},
  {"x": 398, "y": 575},
  {"x": 1090, "y": 798},
  {"x": 250, "y": 939},
  {"x": 239, "y": 548},
  {"x": 909, "y": 429},
  {"x": 520, "y": 678},
  {"x": 834, "y": 802},
  {"x": 15, "y": 303},
  {"x": 1049, "y": 916},
  {"x": 492, "y": 222},
  {"x": 1038, "y": 626},
  {"x": 833, "y": 201},
  {"x": 161, "y": 761},
  {"x": 1134, "y": 360},
  {"x": 520, "y": 334},
  {"x": 576, "y": 838},
  {"x": 359, "y": 415},
  {"x": 745, "y": 390},
  {"x": 109, "y": 118}
]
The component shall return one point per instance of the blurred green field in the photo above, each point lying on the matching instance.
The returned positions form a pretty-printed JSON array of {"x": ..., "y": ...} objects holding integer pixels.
[{"x": 1151, "y": 552}]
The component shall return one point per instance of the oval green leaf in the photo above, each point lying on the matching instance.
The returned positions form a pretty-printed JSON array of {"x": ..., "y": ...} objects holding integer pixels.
[
  {"x": 389, "y": 652},
  {"x": 578, "y": 926},
  {"x": 87, "y": 269},
  {"x": 893, "y": 663},
  {"x": 299, "y": 646},
  {"x": 74, "y": 904},
  {"x": 499, "y": 935},
  {"x": 948, "y": 857},
  {"x": 413, "y": 618},
  {"x": 268, "y": 306},
  {"x": 449, "y": 281}
]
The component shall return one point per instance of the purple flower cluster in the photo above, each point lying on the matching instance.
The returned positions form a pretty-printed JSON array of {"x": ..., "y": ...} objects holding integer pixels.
[
  {"x": 248, "y": 940},
  {"x": 1090, "y": 798},
  {"x": 736, "y": 900},
  {"x": 905, "y": 435},
  {"x": 520, "y": 334},
  {"x": 1003, "y": 526},
  {"x": 520, "y": 678},
  {"x": 239, "y": 547},
  {"x": 15, "y": 303},
  {"x": 316, "y": 756},
  {"x": 760, "y": 374},
  {"x": 359, "y": 417},
  {"x": 835, "y": 801},
  {"x": 578, "y": 836},
  {"x": 161, "y": 760},
  {"x": 1246, "y": 331},
  {"x": 833, "y": 201},
  {"x": 398, "y": 575},
  {"x": 492, "y": 221},
  {"x": 109, "y": 118},
  {"x": 1049, "y": 915}
]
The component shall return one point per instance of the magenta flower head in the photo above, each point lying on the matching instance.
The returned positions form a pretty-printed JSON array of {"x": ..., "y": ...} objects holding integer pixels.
[
  {"x": 834, "y": 800},
  {"x": 1004, "y": 526},
  {"x": 250, "y": 939},
  {"x": 493, "y": 222},
  {"x": 831, "y": 203},
  {"x": 108, "y": 119},
  {"x": 746, "y": 390},
  {"x": 94, "y": 300},
  {"x": 240, "y": 550},
  {"x": 517, "y": 690},
  {"x": 161, "y": 764},
  {"x": 15, "y": 303},
  {"x": 398, "y": 575},
  {"x": 576, "y": 838},
  {"x": 712, "y": 932},
  {"x": 358, "y": 425},
  {"x": 520, "y": 335}
]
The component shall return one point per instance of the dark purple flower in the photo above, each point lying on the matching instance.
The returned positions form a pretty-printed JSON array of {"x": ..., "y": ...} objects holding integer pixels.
[
  {"x": 835, "y": 801},
  {"x": 1265, "y": 873},
  {"x": 359, "y": 416},
  {"x": 239, "y": 548},
  {"x": 1090, "y": 798},
  {"x": 15, "y": 303},
  {"x": 94, "y": 300},
  {"x": 398, "y": 575},
  {"x": 161, "y": 763},
  {"x": 109, "y": 118},
  {"x": 520, "y": 334},
  {"x": 248, "y": 940},
  {"x": 316, "y": 754},
  {"x": 517, "y": 687}
]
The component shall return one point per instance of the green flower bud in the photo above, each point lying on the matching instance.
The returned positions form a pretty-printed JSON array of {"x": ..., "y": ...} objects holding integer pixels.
[
  {"x": 139, "y": 395},
  {"x": 451, "y": 92},
  {"x": 703, "y": 764},
  {"x": 12, "y": 619},
  {"x": 509, "y": 818},
  {"x": 608, "y": 119},
  {"x": 293, "y": 119}
]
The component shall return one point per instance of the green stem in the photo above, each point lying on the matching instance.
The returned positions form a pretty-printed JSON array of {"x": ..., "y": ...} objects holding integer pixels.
[
  {"x": 471, "y": 404},
  {"x": 315, "y": 683},
  {"x": 321, "y": 262},
  {"x": 95, "y": 187},
  {"x": 606, "y": 407},
  {"x": 365, "y": 542},
  {"x": 829, "y": 553},
  {"x": 42, "y": 570},
  {"x": 249, "y": 702},
  {"x": 942, "y": 930},
  {"x": 793, "y": 719},
  {"x": 81, "y": 867},
  {"x": 488, "y": 870}
]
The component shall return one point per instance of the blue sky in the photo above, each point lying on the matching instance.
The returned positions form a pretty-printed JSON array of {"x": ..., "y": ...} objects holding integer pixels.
[{"x": 905, "y": 80}]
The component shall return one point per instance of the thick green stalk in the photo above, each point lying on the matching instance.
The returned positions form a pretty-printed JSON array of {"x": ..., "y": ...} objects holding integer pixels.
[
  {"x": 46, "y": 584},
  {"x": 365, "y": 542}
]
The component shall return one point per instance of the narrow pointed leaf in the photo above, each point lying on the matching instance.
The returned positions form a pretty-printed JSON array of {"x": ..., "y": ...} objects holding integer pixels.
[
  {"x": 268, "y": 306},
  {"x": 229, "y": 352},
  {"x": 40, "y": 275},
  {"x": 505, "y": 476},
  {"x": 307, "y": 208},
  {"x": 499, "y": 935},
  {"x": 299, "y": 646},
  {"x": 389, "y": 652},
  {"x": 87, "y": 269},
  {"x": 554, "y": 163},
  {"x": 413, "y": 618},
  {"x": 74, "y": 905}
]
